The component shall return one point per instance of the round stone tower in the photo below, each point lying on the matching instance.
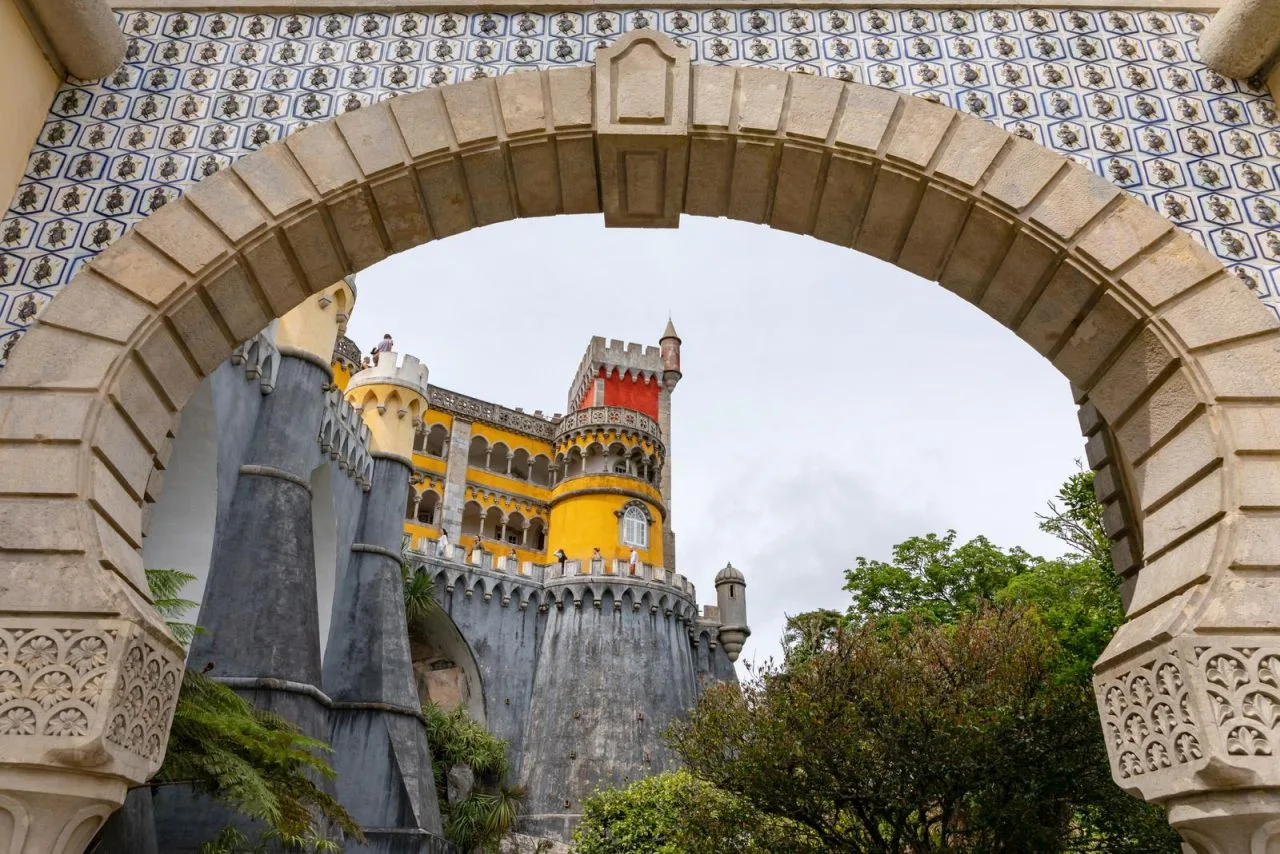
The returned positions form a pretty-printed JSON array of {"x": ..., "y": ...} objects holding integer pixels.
[{"x": 731, "y": 596}]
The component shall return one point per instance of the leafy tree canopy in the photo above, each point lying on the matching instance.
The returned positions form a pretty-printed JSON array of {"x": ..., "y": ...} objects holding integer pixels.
[
  {"x": 678, "y": 813},
  {"x": 905, "y": 737},
  {"x": 949, "y": 707}
]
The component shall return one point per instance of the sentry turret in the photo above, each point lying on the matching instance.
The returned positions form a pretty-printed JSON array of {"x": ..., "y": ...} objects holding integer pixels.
[
  {"x": 669, "y": 344},
  {"x": 391, "y": 397},
  {"x": 731, "y": 595}
]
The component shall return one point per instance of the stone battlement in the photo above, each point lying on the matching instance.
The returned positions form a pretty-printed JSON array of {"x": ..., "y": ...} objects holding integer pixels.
[
  {"x": 393, "y": 368},
  {"x": 614, "y": 356},
  {"x": 546, "y": 584},
  {"x": 345, "y": 438}
]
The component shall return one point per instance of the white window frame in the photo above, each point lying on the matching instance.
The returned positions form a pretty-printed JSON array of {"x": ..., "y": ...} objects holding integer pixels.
[{"x": 635, "y": 527}]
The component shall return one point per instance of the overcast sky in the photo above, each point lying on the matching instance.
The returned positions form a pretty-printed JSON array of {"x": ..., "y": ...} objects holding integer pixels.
[{"x": 832, "y": 405}]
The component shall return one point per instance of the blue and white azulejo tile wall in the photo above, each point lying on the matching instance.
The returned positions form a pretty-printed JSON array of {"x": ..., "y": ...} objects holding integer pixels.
[{"x": 1123, "y": 92}]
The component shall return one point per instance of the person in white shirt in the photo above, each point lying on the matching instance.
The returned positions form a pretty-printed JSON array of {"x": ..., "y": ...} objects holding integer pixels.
[
  {"x": 635, "y": 561},
  {"x": 442, "y": 544}
]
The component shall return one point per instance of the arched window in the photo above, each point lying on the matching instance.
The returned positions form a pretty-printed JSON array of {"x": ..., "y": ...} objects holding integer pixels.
[{"x": 635, "y": 527}]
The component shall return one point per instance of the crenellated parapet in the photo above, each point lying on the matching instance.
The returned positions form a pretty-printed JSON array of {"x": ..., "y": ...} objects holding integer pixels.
[
  {"x": 261, "y": 360},
  {"x": 391, "y": 397},
  {"x": 346, "y": 438},
  {"x": 489, "y": 577},
  {"x": 614, "y": 357},
  {"x": 311, "y": 329}
]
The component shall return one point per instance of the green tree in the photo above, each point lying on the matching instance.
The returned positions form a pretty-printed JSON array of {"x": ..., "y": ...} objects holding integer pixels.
[
  {"x": 932, "y": 578},
  {"x": 905, "y": 736},
  {"x": 1076, "y": 518},
  {"x": 678, "y": 813},
  {"x": 949, "y": 708},
  {"x": 481, "y": 817},
  {"x": 259, "y": 764}
]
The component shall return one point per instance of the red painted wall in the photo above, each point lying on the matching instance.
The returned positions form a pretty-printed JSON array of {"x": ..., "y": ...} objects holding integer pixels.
[
  {"x": 624, "y": 391},
  {"x": 632, "y": 394}
]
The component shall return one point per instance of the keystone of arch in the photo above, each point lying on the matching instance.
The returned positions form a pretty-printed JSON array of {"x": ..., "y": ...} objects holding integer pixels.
[{"x": 1177, "y": 364}]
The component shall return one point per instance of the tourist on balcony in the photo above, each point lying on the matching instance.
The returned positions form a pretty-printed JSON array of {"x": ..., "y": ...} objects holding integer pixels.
[
  {"x": 386, "y": 345},
  {"x": 442, "y": 544}
]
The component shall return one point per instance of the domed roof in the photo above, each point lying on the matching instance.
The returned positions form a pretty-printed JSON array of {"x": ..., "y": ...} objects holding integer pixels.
[{"x": 730, "y": 573}]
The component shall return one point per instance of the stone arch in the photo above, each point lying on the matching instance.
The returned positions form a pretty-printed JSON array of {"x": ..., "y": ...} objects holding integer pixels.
[
  {"x": 1177, "y": 366},
  {"x": 445, "y": 669}
]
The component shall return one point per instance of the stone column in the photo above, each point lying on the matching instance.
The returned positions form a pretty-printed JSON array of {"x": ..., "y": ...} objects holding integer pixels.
[{"x": 378, "y": 737}]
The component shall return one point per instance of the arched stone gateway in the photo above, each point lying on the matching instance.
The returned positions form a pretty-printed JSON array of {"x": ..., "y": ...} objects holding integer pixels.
[{"x": 1177, "y": 363}]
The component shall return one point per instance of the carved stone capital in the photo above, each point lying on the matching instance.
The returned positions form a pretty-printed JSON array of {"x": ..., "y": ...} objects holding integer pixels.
[
  {"x": 1229, "y": 822},
  {"x": 1195, "y": 714},
  {"x": 85, "y": 709}
]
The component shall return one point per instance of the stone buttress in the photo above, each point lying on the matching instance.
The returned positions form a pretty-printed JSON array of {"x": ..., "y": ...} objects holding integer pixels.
[{"x": 379, "y": 741}]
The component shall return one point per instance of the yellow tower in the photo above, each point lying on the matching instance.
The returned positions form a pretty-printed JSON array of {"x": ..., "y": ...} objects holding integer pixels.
[
  {"x": 391, "y": 397},
  {"x": 311, "y": 329},
  {"x": 606, "y": 497}
]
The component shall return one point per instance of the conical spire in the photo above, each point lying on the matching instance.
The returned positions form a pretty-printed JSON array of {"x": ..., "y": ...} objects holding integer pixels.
[{"x": 669, "y": 332}]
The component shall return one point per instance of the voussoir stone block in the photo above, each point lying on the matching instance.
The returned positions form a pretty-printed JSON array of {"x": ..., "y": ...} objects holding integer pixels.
[
  {"x": 1222, "y": 310},
  {"x": 166, "y": 362},
  {"x": 183, "y": 235},
  {"x": 274, "y": 179},
  {"x": 1023, "y": 172},
  {"x": 140, "y": 269},
  {"x": 43, "y": 416},
  {"x": 1130, "y": 228},
  {"x": 423, "y": 122},
  {"x": 323, "y": 154},
  {"x": 200, "y": 333},
  {"x": 1094, "y": 341},
  {"x": 470, "y": 109},
  {"x": 523, "y": 109},
  {"x": 229, "y": 205},
  {"x": 1180, "y": 264},
  {"x": 55, "y": 358},
  {"x": 812, "y": 107},
  {"x": 236, "y": 301},
  {"x": 920, "y": 130},
  {"x": 114, "y": 312},
  {"x": 868, "y": 111},
  {"x": 40, "y": 469},
  {"x": 1247, "y": 369},
  {"x": 1073, "y": 202},
  {"x": 373, "y": 138},
  {"x": 1139, "y": 366},
  {"x": 970, "y": 150},
  {"x": 762, "y": 94}
]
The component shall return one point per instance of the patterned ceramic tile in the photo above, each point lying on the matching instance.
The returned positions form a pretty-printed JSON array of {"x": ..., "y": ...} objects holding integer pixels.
[{"x": 1121, "y": 92}]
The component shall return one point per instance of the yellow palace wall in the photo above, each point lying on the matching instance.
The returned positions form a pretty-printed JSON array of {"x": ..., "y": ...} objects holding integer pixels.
[
  {"x": 581, "y": 522},
  {"x": 25, "y": 99}
]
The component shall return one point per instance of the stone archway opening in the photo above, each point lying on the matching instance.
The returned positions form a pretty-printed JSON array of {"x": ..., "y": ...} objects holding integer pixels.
[{"x": 1176, "y": 366}]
